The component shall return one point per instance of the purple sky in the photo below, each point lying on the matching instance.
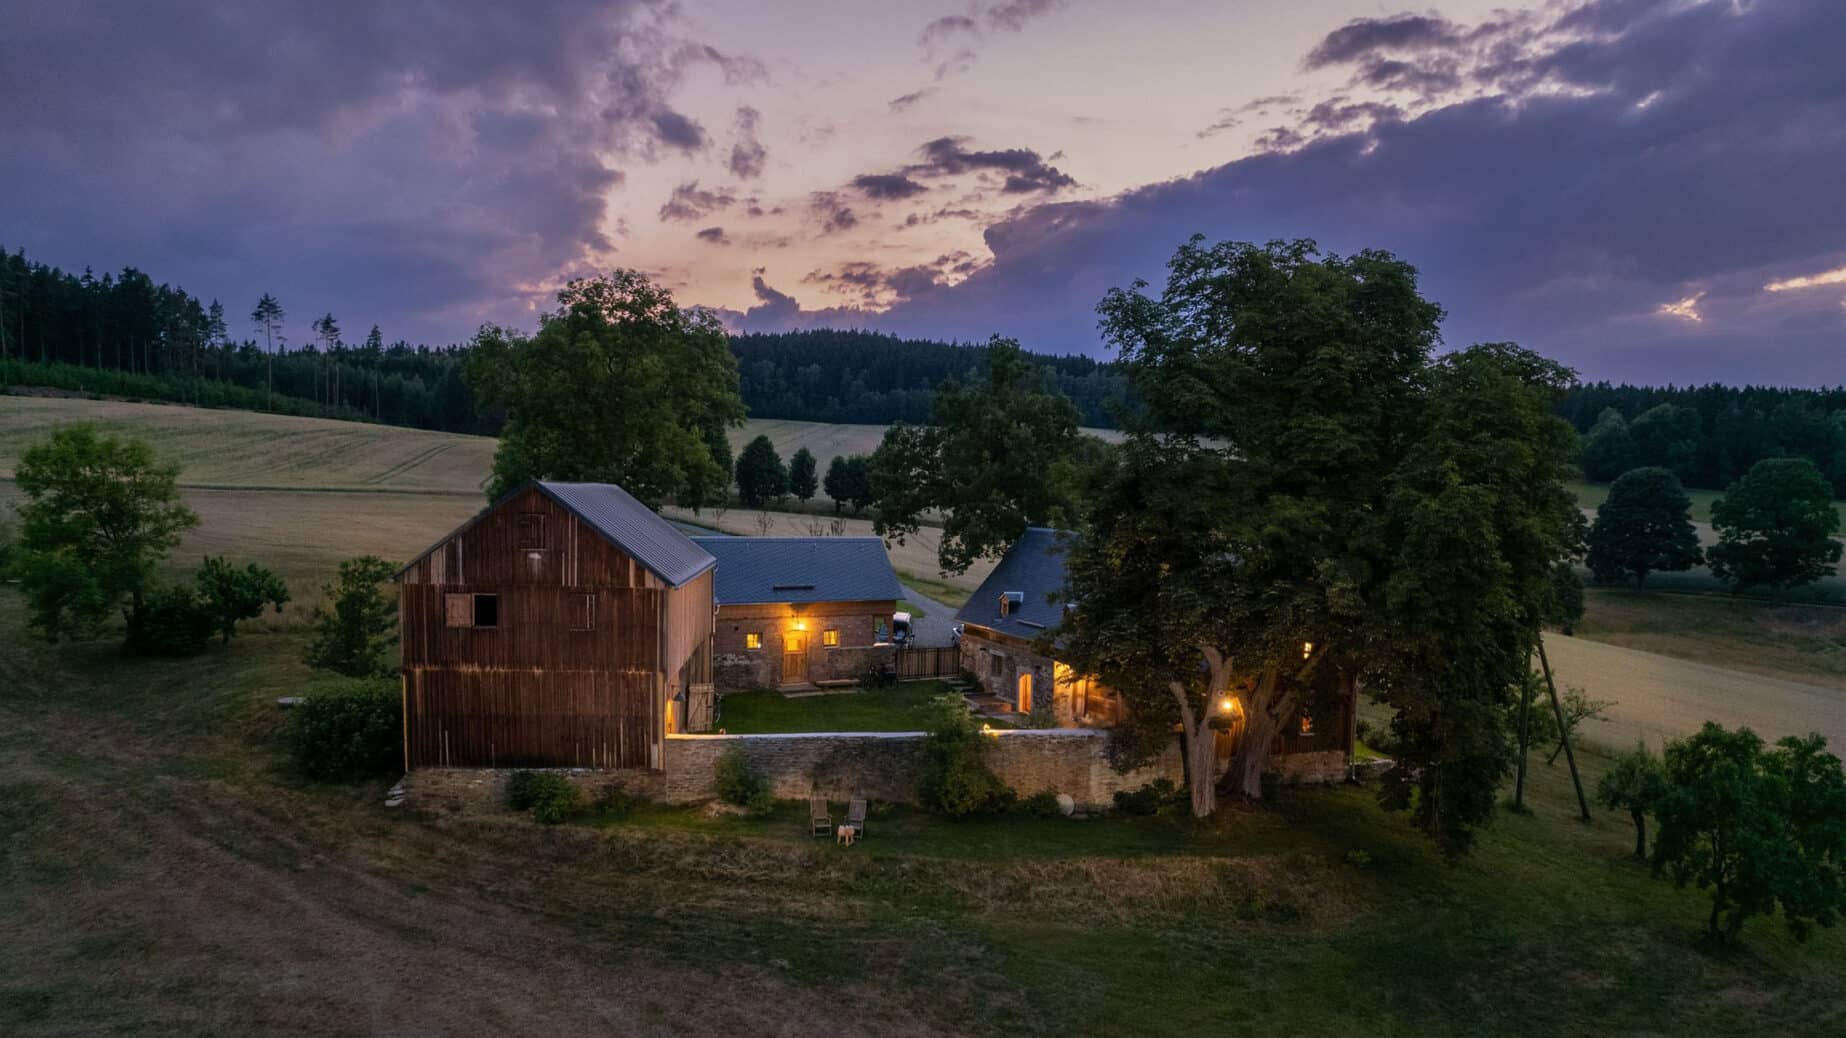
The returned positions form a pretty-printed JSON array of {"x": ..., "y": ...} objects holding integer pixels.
[{"x": 1653, "y": 191}]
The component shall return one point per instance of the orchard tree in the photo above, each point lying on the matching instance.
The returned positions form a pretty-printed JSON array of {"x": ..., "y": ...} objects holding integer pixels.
[
  {"x": 802, "y": 478},
  {"x": 997, "y": 457},
  {"x": 1634, "y": 784},
  {"x": 229, "y": 594},
  {"x": 352, "y": 636},
  {"x": 1760, "y": 828},
  {"x": 1644, "y": 526},
  {"x": 100, "y": 513},
  {"x": 761, "y": 476},
  {"x": 1775, "y": 527},
  {"x": 849, "y": 482},
  {"x": 619, "y": 385}
]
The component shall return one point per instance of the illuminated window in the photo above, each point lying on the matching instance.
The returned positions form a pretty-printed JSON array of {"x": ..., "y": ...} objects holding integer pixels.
[
  {"x": 830, "y": 636},
  {"x": 753, "y": 640},
  {"x": 1307, "y": 725}
]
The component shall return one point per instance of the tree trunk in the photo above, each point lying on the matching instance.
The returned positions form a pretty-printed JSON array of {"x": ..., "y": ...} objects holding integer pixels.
[
  {"x": 1201, "y": 769},
  {"x": 1640, "y": 834},
  {"x": 1251, "y": 757}
]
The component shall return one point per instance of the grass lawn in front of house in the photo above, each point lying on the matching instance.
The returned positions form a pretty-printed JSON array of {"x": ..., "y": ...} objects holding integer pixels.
[{"x": 904, "y": 707}]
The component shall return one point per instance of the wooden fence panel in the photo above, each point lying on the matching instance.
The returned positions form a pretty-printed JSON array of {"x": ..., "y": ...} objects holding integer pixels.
[{"x": 915, "y": 662}]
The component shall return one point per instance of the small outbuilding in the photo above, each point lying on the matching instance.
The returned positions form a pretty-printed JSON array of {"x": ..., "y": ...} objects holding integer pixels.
[{"x": 796, "y": 611}]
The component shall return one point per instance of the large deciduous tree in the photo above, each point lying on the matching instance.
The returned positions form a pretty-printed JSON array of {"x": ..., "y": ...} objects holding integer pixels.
[
  {"x": 1301, "y": 472},
  {"x": 997, "y": 457},
  {"x": 100, "y": 513},
  {"x": 619, "y": 385},
  {"x": 761, "y": 476},
  {"x": 1644, "y": 526},
  {"x": 1775, "y": 527},
  {"x": 1608, "y": 449},
  {"x": 803, "y": 477}
]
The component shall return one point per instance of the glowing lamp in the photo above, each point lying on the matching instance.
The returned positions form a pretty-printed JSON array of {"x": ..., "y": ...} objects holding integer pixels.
[
  {"x": 801, "y": 625},
  {"x": 1307, "y": 649}
]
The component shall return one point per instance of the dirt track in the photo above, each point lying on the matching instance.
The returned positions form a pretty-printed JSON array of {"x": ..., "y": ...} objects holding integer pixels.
[{"x": 1658, "y": 697}]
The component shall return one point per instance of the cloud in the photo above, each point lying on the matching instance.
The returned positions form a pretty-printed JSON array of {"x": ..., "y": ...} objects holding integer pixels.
[
  {"x": 425, "y": 167},
  {"x": 1014, "y": 15},
  {"x": 689, "y": 201},
  {"x": 1544, "y": 205},
  {"x": 1025, "y": 171},
  {"x": 1686, "y": 309},
  {"x": 678, "y": 131},
  {"x": 887, "y": 186},
  {"x": 714, "y": 235},
  {"x": 748, "y": 155},
  {"x": 1365, "y": 37},
  {"x": 946, "y": 27},
  {"x": 1829, "y": 277},
  {"x": 899, "y": 104},
  {"x": 835, "y": 215}
]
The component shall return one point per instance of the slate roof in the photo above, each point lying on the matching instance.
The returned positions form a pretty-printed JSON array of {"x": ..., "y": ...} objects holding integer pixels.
[
  {"x": 801, "y": 569},
  {"x": 628, "y": 524},
  {"x": 1034, "y": 567}
]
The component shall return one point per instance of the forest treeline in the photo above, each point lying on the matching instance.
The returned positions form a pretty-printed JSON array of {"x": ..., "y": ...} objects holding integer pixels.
[{"x": 126, "y": 334}]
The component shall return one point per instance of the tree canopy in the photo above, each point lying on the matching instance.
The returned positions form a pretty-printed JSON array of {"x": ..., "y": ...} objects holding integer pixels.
[
  {"x": 1644, "y": 526},
  {"x": 100, "y": 513},
  {"x": 803, "y": 475},
  {"x": 619, "y": 385},
  {"x": 1311, "y": 502},
  {"x": 1775, "y": 527},
  {"x": 998, "y": 456},
  {"x": 761, "y": 476}
]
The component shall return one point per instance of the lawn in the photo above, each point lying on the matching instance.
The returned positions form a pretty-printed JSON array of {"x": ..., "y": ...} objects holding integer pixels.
[
  {"x": 1794, "y": 642},
  {"x": 163, "y": 871},
  {"x": 904, "y": 707}
]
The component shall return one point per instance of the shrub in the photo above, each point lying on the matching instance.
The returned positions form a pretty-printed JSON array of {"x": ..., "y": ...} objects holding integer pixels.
[
  {"x": 228, "y": 594},
  {"x": 353, "y": 637},
  {"x": 173, "y": 621},
  {"x": 615, "y": 801},
  {"x": 956, "y": 780},
  {"x": 1147, "y": 800},
  {"x": 738, "y": 783},
  {"x": 347, "y": 730},
  {"x": 1042, "y": 804},
  {"x": 551, "y": 798}
]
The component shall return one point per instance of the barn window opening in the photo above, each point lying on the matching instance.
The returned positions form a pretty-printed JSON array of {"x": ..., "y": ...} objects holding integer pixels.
[
  {"x": 881, "y": 633},
  {"x": 830, "y": 636},
  {"x": 753, "y": 640},
  {"x": 582, "y": 612},
  {"x": 487, "y": 610},
  {"x": 531, "y": 530},
  {"x": 994, "y": 663},
  {"x": 1307, "y": 725}
]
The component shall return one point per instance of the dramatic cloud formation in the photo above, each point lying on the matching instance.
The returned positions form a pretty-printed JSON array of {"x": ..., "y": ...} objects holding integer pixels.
[
  {"x": 1024, "y": 170},
  {"x": 689, "y": 201}
]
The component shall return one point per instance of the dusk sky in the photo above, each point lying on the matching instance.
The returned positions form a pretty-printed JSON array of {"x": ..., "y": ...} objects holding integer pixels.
[{"x": 1651, "y": 191}]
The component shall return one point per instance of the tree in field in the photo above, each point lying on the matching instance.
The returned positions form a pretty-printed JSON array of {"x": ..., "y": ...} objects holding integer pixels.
[
  {"x": 619, "y": 385},
  {"x": 229, "y": 594},
  {"x": 1608, "y": 450},
  {"x": 997, "y": 457},
  {"x": 1634, "y": 784},
  {"x": 1667, "y": 436},
  {"x": 710, "y": 486},
  {"x": 849, "y": 482},
  {"x": 1379, "y": 519},
  {"x": 1565, "y": 609},
  {"x": 1644, "y": 526},
  {"x": 1775, "y": 527},
  {"x": 100, "y": 513},
  {"x": 761, "y": 476},
  {"x": 802, "y": 479},
  {"x": 351, "y": 638},
  {"x": 268, "y": 317},
  {"x": 1760, "y": 828}
]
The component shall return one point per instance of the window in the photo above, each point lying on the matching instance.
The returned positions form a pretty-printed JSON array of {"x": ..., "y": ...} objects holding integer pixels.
[
  {"x": 753, "y": 640},
  {"x": 881, "y": 633},
  {"x": 582, "y": 610},
  {"x": 994, "y": 662},
  {"x": 1307, "y": 725},
  {"x": 466, "y": 610},
  {"x": 830, "y": 636},
  {"x": 531, "y": 530},
  {"x": 1011, "y": 602}
]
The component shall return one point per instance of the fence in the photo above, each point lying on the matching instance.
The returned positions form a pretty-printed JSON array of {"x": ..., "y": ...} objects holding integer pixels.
[{"x": 928, "y": 662}]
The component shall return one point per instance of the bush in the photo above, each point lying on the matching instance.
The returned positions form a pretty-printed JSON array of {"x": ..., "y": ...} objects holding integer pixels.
[
  {"x": 551, "y": 798},
  {"x": 1042, "y": 804},
  {"x": 347, "y": 730},
  {"x": 1147, "y": 800},
  {"x": 615, "y": 801},
  {"x": 956, "y": 780},
  {"x": 173, "y": 621},
  {"x": 738, "y": 783},
  {"x": 352, "y": 638}
]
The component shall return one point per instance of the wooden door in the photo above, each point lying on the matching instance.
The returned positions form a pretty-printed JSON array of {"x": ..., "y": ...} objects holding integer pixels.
[
  {"x": 794, "y": 657},
  {"x": 1025, "y": 692}
]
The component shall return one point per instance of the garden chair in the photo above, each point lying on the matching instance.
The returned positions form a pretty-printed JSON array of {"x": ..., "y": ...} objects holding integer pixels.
[
  {"x": 855, "y": 817},
  {"x": 820, "y": 822}
]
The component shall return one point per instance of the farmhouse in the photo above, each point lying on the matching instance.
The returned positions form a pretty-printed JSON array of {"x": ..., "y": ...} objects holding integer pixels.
[
  {"x": 565, "y": 625},
  {"x": 794, "y": 611},
  {"x": 1009, "y": 644}
]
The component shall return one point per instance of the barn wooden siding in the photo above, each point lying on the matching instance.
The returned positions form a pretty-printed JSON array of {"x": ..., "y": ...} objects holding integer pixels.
[{"x": 532, "y": 690}]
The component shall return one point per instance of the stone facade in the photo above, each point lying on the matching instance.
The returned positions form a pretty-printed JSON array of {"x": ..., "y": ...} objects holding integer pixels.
[
  {"x": 864, "y": 632},
  {"x": 999, "y": 662}
]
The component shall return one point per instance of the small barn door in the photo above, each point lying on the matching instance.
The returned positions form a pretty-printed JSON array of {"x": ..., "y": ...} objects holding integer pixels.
[
  {"x": 1025, "y": 691},
  {"x": 794, "y": 657}
]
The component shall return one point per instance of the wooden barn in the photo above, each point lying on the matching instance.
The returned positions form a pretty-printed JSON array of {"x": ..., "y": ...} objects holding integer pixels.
[{"x": 567, "y": 625}]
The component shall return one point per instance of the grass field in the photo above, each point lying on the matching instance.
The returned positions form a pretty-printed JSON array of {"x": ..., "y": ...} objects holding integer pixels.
[
  {"x": 162, "y": 871},
  {"x": 900, "y": 708}
]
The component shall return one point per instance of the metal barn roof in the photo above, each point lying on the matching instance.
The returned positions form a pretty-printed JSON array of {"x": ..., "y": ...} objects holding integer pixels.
[
  {"x": 801, "y": 569},
  {"x": 1034, "y": 568}
]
